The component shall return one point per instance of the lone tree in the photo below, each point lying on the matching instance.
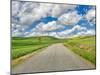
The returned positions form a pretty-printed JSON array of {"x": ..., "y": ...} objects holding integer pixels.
[{"x": 39, "y": 38}]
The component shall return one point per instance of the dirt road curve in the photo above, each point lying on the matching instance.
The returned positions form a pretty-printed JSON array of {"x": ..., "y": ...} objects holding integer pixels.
[{"x": 54, "y": 58}]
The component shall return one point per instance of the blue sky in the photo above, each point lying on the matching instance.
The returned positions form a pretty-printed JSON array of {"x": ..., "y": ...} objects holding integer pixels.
[{"x": 48, "y": 19}]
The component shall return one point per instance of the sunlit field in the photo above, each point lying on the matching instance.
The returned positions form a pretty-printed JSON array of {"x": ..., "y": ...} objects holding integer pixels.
[{"x": 83, "y": 46}]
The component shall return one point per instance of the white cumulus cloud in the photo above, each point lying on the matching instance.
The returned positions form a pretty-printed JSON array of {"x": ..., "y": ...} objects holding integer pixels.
[
  {"x": 69, "y": 32},
  {"x": 90, "y": 16},
  {"x": 50, "y": 26},
  {"x": 70, "y": 18}
]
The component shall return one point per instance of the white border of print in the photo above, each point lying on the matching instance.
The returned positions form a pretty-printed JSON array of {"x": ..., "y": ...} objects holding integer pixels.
[
  {"x": 5, "y": 37},
  {"x": 85, "y": 2}
]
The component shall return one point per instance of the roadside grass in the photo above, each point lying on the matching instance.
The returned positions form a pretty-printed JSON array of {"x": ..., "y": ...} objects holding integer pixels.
[
  {"x": 83, "y": 46},
  {"x": 23, "y": 46}
]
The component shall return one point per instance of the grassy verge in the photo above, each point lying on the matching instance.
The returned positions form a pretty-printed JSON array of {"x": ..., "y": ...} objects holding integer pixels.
[
  {"x": 23, "y": 46},
  {"x": 83, "y": 46},
  {"x": 16, "y": 53}
]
